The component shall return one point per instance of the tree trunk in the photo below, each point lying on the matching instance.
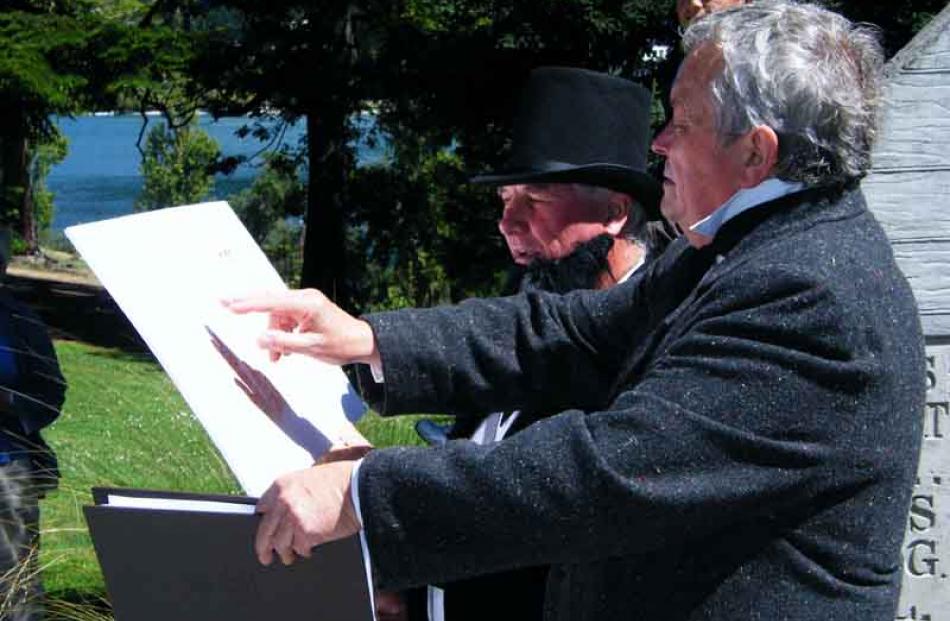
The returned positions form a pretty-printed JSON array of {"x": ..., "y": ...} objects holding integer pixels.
[
  {"x": 17, "y": 195},
  {"x": 324, "y": 253},
  {"x": 27, "y": 214}
]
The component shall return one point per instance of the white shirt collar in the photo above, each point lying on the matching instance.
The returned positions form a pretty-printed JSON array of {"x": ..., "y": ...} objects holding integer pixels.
[
  {"x": 633, "y": 269},
  {"x": 743, "y": 200}
]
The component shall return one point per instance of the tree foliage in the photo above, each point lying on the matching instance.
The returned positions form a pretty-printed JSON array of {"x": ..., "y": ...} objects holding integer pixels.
[
  {"x": 177, "y": 166},
  {"x": 68, "y": 56},
  {"x": 415, "y": 222},
  {"x": 308, "y": 60},
  {"x": 440, "y": 78},
  {"x": 276, "y": 193},
  {"x": 48, "y": 152},
  {"x": 897, "y": 21},
  {"x": 272, "y": 210},
  {"x": 40, "y": 75}
]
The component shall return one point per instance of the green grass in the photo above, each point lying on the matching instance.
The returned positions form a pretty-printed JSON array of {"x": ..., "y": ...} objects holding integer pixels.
[{"x": 124, "y": 424}]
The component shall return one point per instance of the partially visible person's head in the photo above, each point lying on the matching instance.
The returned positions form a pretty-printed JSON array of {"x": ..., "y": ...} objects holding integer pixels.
[
  {"x": 572, "y": 235},
  {"x": 578, "y": 166},
  {"x": 549, "y": 220},
  {"x": 689, "y": 10},
  {"x": 768, "y": 89}
]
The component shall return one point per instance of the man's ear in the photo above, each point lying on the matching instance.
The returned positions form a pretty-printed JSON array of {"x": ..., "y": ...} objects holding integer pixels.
[
  {"x": 761, "y": 155},
  {"x": 618, "y": 212}
]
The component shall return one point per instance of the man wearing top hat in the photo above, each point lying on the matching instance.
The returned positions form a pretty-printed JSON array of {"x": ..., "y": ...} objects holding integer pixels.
[
  {"x": 577, "y": 211},
  {"x": 578, "y": 172}
]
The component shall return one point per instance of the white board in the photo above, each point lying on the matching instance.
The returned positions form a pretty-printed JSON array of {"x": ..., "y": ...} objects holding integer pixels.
[{"x": 168, "y": 271}]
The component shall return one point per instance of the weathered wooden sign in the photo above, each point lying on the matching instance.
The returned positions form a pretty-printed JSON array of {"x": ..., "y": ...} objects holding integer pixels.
[
  {"x": 908, "y": 191},
  {"x": 925, "y": 594}
]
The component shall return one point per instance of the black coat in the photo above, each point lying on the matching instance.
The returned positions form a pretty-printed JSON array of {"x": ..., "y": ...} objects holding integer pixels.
[
  {"x": 744, "y": 445},
  {"x": 516, "y": 594}
]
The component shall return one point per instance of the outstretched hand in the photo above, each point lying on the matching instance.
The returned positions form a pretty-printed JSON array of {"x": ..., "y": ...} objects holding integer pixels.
[{"x": 306, "y": 322}]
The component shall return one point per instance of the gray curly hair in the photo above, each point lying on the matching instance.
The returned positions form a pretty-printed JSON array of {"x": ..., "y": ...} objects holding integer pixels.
[{"x": 808, "y": 73}]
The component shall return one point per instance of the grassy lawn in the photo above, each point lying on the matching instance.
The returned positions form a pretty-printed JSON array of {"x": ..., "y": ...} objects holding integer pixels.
[{"x": 124, "y": 424}]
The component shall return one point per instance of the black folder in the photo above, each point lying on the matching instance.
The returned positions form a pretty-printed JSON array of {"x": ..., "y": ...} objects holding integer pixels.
[{"x": 162, "y": 564}]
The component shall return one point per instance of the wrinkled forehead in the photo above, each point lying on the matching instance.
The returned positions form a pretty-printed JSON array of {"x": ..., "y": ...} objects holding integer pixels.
[
  {"x": 538, "y": 189},
  {"x": 692, "y": 89}
]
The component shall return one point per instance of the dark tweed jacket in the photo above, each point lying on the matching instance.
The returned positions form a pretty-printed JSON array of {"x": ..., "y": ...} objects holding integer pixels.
[{"x": 743, "y": 445}]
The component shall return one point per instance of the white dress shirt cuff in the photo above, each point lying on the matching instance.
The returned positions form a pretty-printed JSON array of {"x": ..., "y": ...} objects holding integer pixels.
[
  {"x": 355, "y": 497},
  {"x": 377, "y": 372}
]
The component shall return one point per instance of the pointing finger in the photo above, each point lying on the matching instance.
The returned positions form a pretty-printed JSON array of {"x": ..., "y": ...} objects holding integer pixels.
[
  {"x": 262, "y": 302},
  {"x": 291, "y": 342},
  {"x": 303, "y": 301}
]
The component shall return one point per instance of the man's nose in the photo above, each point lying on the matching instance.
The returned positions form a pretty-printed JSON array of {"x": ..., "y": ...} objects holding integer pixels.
[
  {"x": 512, "y": 220},
  {"x": 661, "y": 143}
]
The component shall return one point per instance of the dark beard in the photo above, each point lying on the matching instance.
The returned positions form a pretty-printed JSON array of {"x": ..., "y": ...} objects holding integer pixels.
[{"x": 579, "y": 270}]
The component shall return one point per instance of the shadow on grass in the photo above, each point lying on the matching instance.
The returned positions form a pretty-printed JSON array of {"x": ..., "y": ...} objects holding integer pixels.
[
  {"x": 120, "y": 355},
  {"x": 78, "y": 605},
  {"x": 77, "y": 312}
]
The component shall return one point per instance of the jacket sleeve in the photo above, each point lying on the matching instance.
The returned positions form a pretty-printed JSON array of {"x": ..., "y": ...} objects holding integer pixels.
[
  {"x": 486, "y": 355},
  {"x": 740, "y": 418},
  {"x": 538, "y": 351}
]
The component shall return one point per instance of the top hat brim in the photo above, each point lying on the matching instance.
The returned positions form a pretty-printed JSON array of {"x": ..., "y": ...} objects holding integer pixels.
[{"x": 642, "y": 187}]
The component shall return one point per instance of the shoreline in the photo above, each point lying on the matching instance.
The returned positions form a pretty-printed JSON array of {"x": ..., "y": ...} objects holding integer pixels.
[{"x": 53, "y": 266}]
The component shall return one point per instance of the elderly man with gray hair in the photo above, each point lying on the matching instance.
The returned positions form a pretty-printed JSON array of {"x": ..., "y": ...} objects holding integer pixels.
[{"x": 745, "y": 415}]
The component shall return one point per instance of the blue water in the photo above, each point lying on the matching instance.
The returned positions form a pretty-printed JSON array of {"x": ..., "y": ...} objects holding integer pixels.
[{"x": 100, "y": 176}]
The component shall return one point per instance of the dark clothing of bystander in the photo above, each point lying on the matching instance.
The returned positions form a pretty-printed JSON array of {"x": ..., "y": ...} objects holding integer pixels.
[{"x": 32, "y": 391}]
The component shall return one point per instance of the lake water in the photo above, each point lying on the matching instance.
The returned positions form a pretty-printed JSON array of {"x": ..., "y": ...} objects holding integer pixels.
[{"x": 100, "y": 176}]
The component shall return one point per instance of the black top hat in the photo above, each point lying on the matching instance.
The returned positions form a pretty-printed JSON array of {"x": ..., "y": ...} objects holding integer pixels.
[{"x": 579, "y": 126}]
